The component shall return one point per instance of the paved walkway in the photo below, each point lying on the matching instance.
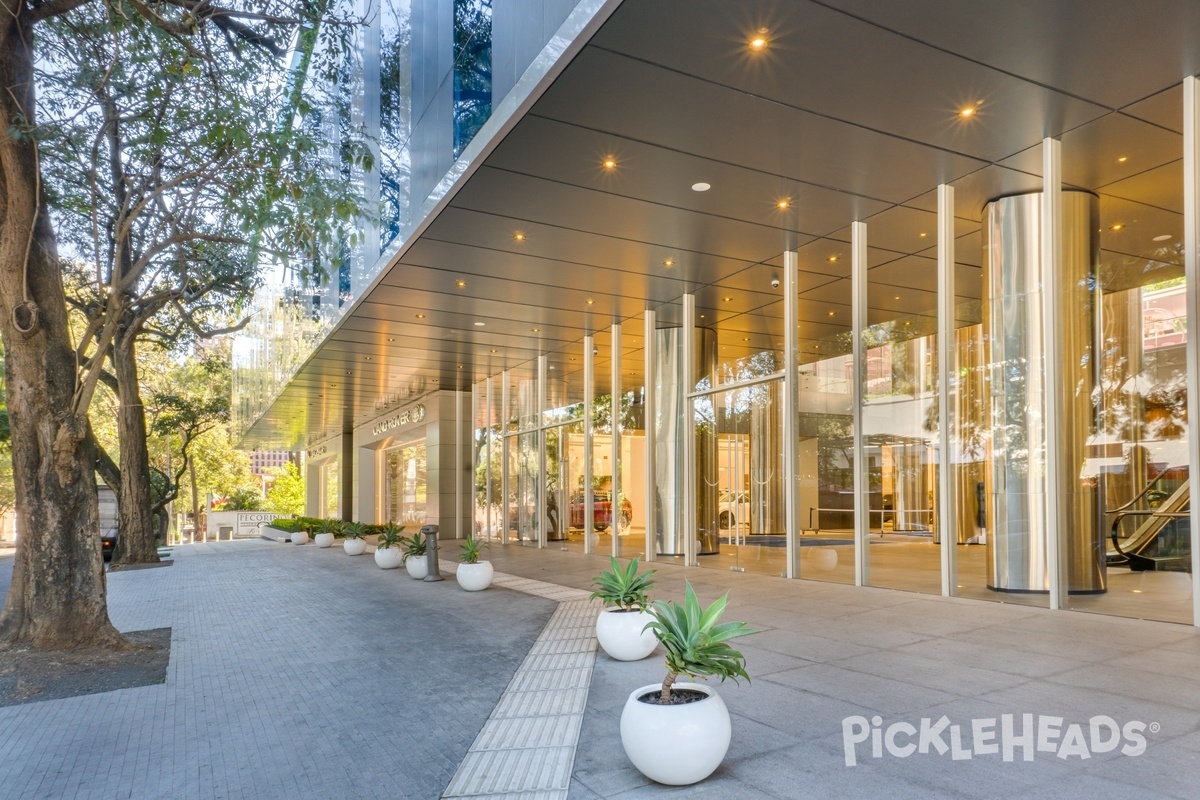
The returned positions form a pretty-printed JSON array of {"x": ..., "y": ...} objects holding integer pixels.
[{"x": 298, "y": 672}]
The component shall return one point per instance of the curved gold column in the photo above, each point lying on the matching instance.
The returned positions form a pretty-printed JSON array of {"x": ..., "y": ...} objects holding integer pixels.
[{"x": 1016, "y": 343}]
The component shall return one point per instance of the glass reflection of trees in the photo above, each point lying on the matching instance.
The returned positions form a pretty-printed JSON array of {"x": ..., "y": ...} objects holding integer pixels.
[
  {"x": 472, "y": 69},
  {"x": 395, "y": 117}
]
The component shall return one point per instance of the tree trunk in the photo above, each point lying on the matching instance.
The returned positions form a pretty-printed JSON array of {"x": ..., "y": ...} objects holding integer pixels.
[
  {"x": 136, "y": 542},
  {"x": 195, "y": 498},
  {"x": 57, "y": 598}
]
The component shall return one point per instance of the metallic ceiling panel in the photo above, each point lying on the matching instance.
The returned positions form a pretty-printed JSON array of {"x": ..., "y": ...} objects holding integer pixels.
[
  {"x": 918, "y": 101},
  {"x": 1161, "y": 187},
  {"x": 1107, "y": 51},
  {"x": 1090, "y": 153},
  {"x": 557, "y": 151},
  {"x": 1164, "y": 109},
  {"x": 696, "y": 116},
  {"x": 560, "y": 205}
]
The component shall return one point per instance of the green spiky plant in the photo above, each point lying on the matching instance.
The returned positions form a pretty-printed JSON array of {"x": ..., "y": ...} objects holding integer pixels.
[
  {"x": 353, "y": 530},
  {"x": 696, "y": 644},
  {"x": 623, "y": 587},
  {"x": 389, "y": 537},
  {"x": 471, "y": 549},
  {"x": 414, "y": 545}
]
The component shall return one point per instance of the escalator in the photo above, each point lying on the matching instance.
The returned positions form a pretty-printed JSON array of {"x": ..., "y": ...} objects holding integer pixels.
[{"x": 1162, "y": 540}]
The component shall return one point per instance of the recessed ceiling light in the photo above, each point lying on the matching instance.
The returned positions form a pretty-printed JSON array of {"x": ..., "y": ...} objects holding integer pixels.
[
  {"x": 758, "y": 42},
  {"x": 1116, "y": 227},
  {"x": 572, "y": 358},
  {"x": 833, "y": 313},
  {"x": 668, "y": 262},
  {"x": 726, "y": 299},
  {"x": 420, "y": 316},
  {"x": 591, "y": 302},
  {"x": 897, "y": 297},
  {"x": 391, "y": 339},
  {"x": 922, "y": 234},
  {"x": 553, "y": 367},
  {"x": 1122, "y": 159},
  {"x": 966, "y": 112},
  {"x": 701, "y": 187},
  {"x": 366, "y": 358},
  {"x": 460, "y": 366},
  {"x": 518, "y": 236},
  {"x": 460, "y": 284},
  {"x": 610, "y": 163},
  {"x": 746, "y": 339},
  {"x": 701, "y": 316},
  {"x": 535, "y": 330},
  {"x": 480, "y": 324},
  {"x": 349, "y": 372},
  {"x": 1162, "y": 238},
  {"x": 833, "y": 259},
  {"x": 493, "y": 351},
  {"x": 783, "y": 204}
]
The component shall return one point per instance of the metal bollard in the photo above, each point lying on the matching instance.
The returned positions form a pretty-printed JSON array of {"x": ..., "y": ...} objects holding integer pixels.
[{"x": 430, "y": 532}]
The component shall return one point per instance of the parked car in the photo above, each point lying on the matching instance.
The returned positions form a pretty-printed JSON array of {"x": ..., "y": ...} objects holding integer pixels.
[
  {"x": 602, "y": 514},
  {"x": 734, "y": 507}
]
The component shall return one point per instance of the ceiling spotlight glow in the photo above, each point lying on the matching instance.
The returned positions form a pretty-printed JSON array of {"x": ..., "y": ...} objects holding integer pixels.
[
  {"x": 460, "y": 284},
  {"x": 518, "y": 236},
  {"x": 922, "y": 234},
  {"x": 1162, "y": 237},
  {"x": 783, "y": 204},
  {"x": 833, "y": 313},
  {"x": 591, "y": 302},
  {"x": 726, "y": 299},
  {"x": 480, "y": 324},
  {"x": 668, "y": 262},
  {"x": 1122, "y": 159},
  {"x": 758, "y": 42},
  {"x": 966, "y": 112},
  {"x": 535, "y": 330},
  {"x": 391, "y": 339},
  {"x": 1117, "y": 227},
  {"x": 610, "y": 163},
  {"x": 701, "y": 187},
  {"x": 833, "y": 259},
  {"x": 420, "y": 316}
]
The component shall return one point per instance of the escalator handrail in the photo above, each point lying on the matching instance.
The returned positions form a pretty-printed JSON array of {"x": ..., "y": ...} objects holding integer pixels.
[
  {"x": 1145, "y": 490},
  {"x": 1139, "y": 513}
]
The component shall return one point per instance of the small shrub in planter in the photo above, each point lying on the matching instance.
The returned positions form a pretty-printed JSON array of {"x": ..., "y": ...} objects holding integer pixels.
[
  {"x": 415, "y": 560},
  {"x": 327, "y": 530},
  {"x": 473, "y": 575},
  {"x": 388, "y": 552},
  {"x": 678, "y": 733},
  {"x": 354, "y": 540},
  {"x": 622, "y": 627}
]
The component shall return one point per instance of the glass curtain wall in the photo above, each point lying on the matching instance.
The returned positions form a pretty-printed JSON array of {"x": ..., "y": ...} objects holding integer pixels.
[
  {"x": 1135, "y": 452},
  {"x": 404, "y": 469},
  {"x": 825, "y": 424},
  {"x": 899, "y": 413}
]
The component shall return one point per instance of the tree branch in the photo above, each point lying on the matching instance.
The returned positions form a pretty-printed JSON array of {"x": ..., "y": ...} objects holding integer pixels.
[{"x": 54, "y": 8}]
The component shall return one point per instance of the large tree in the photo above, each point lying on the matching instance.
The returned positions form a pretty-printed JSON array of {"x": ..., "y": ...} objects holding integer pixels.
[{"x": 189, "y": 171}]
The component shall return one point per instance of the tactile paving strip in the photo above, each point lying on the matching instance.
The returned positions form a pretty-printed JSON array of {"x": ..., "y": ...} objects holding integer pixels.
[{"x": 526, "y": 749}]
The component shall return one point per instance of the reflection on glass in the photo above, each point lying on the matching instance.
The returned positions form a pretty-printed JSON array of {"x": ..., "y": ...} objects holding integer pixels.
[
  {"x": 472, "y": 69},
  {"x": 405, "y": 481},
  {"x": 329, "y": 489},
  {"x": 395, "y": 118}
]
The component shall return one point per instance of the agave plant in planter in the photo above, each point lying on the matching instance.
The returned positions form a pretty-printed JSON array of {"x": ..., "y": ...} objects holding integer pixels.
[
  {"x": 327, "y": 530},
  {"x": 677, "y": 733},
  {"x": 623, "y": 626},
  {"x": 415, "y": 559},
  {"x": 473, "y": 575},
  {"x": 388, "y": 551},
  {"x": 354, "y": 540}
]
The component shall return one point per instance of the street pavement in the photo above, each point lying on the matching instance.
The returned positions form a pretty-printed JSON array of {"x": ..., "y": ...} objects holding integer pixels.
[{"x": 299, "y": 672}]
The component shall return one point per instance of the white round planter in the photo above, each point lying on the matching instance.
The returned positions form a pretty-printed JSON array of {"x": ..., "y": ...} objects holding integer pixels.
[
  {"x": 676, "y": 745},
  {"x": 354, "y": 547},
  {"x": 417, "y": 566},
  {"x": 475, "y": 577},
  {"x": 620, "y": 634},
  {"x": 323, "y": 540},
  {"x": 388, "y": 557},
  {"x": 300, "y": 537}
]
